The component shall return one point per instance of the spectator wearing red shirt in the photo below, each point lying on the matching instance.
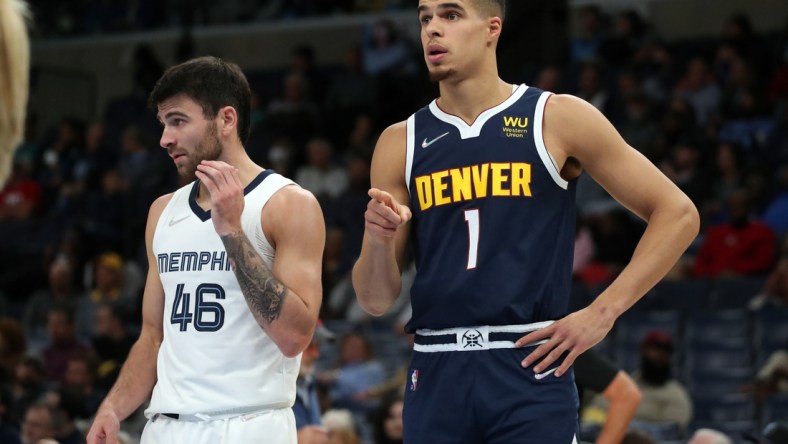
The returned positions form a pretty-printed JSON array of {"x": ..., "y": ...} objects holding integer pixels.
[{"x": 740, "y": 247}]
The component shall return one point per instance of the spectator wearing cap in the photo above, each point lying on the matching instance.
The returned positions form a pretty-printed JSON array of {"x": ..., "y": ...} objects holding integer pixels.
[
  {"x": 109, "y": 287},
  {"x": 306, "y": 408},
  {"x": 665, "y": 400}
]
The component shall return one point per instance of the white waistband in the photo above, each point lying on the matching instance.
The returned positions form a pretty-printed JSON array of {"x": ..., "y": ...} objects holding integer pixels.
[
  {"x": 245, "y": 413},
  {"x": 476, "y": 338}
]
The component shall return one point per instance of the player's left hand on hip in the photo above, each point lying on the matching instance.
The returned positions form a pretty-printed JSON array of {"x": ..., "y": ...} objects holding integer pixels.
[{"x": 571, "y": 335}]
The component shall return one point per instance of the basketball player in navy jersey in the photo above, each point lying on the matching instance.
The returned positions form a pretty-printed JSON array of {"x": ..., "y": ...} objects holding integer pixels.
[
  {"x": 233, "y": 288},
  {"x": 483, "y": 180}
]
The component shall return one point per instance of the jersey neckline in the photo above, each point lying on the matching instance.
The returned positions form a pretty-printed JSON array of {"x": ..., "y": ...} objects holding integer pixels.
[
  {"x": 474, "y": 129},
  {"x": 204, "y": 215}
]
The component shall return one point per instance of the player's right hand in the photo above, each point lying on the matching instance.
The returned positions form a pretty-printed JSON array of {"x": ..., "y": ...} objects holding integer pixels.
[
  {"x": 384, "y": 214},
  {"x": 104, "y": 429},
  {"x": 312, "y": 434}
]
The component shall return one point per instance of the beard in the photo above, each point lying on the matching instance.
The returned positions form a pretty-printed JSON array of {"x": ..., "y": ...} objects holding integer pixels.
[
  {"x": 439, "y": 74},
  {"x": 210, "y": 148}
]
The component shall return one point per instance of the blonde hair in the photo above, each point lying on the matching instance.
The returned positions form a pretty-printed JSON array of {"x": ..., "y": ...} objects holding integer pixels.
[{"x": 14, "y": 67}]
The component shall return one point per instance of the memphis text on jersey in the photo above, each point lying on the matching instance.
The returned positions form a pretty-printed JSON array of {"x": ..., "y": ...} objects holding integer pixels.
[
  {"x": 193, "y": 261},
  {"x": 474, "y": 182}
]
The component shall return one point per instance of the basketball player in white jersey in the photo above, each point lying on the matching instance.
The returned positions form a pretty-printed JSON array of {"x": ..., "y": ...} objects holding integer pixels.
[{"x": 233, "y": 288}]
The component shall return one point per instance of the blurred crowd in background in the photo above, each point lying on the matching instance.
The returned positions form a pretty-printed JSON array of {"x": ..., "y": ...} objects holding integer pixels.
[{"x": 711, "y": 113}]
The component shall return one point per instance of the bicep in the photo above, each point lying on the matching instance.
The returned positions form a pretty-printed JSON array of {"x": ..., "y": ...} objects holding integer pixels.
[
  {"x": 583, "y": 133},
  {"x": 299, "y": 241}
]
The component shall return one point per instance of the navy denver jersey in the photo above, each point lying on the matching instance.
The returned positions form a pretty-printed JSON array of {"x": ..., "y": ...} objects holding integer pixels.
[{"x": 493, "y": 221}]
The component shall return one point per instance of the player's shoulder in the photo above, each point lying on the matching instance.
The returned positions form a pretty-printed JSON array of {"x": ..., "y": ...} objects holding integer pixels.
[
  {"x": 158, "y": 205},
  {"x": 292, "y": 198},
  {"x": 396, "y": 131}
]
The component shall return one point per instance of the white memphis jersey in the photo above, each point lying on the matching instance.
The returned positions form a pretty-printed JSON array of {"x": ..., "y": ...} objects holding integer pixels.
[{"x": 214, "y": 356}]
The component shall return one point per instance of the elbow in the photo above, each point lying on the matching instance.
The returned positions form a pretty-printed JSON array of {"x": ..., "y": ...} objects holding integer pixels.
[
  {"x": 635, "y": 398},
  {"x": 294, "y": 344},
  {"x": 682, "y": 214},
  {"x": 374, "y": 308},
  {"x": 690, "y": 218}
]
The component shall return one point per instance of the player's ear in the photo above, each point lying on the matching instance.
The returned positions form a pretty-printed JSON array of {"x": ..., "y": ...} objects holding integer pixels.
[
  {"x": 495, "y": 26},
  {"x": 227, "y": 120}
]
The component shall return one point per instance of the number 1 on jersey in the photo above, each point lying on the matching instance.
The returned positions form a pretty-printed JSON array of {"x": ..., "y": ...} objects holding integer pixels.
[{"x": 472, "y": 219}]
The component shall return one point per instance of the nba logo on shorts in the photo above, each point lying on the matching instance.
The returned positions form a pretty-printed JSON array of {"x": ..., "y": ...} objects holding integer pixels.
[{"x": 414, "y": 379}]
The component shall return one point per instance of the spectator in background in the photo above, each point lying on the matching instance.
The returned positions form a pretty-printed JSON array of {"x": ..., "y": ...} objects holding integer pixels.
[
  {"x": 40, "y": 422},
  {"x": 742, "y": 96},
  {"x": 596, "y": 373},
  {"x": 684, "y": 168},
  {"x": 587, "y": 43},
  {"x": 775, "y": 290},
  {"x": 21, "y": 195},
  {"x": 110, "y": 287},
  {"x": 355, "y": 373},
  {"x": 104, "y": 214},
  {"x": 302, "y": 61},
  {"x": 293, "y": 115},
  {"x": 68, "y": 406},
  {"x": 709, "y": 436},
  {"x": 638, "y": 125},
  {"x": 63, "y": 343},
  {"x": 61, "y": 291},
  {"x": 111, "y": 343},
  {"x": 350, "y": 93},
  {"x": 306, "y": 408},
  {"x": 549, "y": 78},
  {"x": 700, "y": 88},
  {"x": 389, "y": 58},
  {"x": 666, "y": 408},
  {"x": 629, "y": 31},
  {"x": 9, "y": 434},
  {"x": 776, "y": 213},
  {"x": 387, "y": 423},
  {"x": 13, "y": 347},
  {"x": 80, "y": 378},
  {"x": 322, "y": 175},
  {"x": 730, "y": 162},
  {"x": 341, "y": 427},
  {"x": 772, "y": 377},
  {"x": 29, "y": 387},
  {"x": 345, "y": 213},
  {"x": 741, "y": 247},
  {"x": 591, "y": 88},
  {"x": 773, "y": 433}
]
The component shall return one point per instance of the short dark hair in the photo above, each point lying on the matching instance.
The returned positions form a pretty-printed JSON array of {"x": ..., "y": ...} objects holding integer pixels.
[
  {"x": 492, "y": 8},
  {"x": 211, "y": 82}
]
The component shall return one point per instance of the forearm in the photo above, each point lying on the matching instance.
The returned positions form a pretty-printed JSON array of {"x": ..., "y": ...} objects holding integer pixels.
[
  {"x": 276, "y": 308},
  {"x": 376, "y": 276},
  {"x": 624, "y": 398},
  {"x": 136, "y": 379},
  {"x": 667, "y": 236}
]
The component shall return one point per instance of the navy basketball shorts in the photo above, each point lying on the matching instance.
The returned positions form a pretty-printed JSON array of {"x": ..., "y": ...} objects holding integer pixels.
[{"x": 487, "y": 397}]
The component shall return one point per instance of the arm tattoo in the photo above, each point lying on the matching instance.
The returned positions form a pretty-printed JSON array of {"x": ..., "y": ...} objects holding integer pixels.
[{"x": 264, "y": 294}]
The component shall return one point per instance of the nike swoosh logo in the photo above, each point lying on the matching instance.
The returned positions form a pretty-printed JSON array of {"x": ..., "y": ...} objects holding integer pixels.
[
  {"x": 174, "y": 221},
  {"x": 545, "y": 374},
  {"x": 425, "y": 144}
]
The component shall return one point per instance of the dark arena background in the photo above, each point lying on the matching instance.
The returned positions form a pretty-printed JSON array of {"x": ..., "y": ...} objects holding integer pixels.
[{"x": 699, "y": 87}]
